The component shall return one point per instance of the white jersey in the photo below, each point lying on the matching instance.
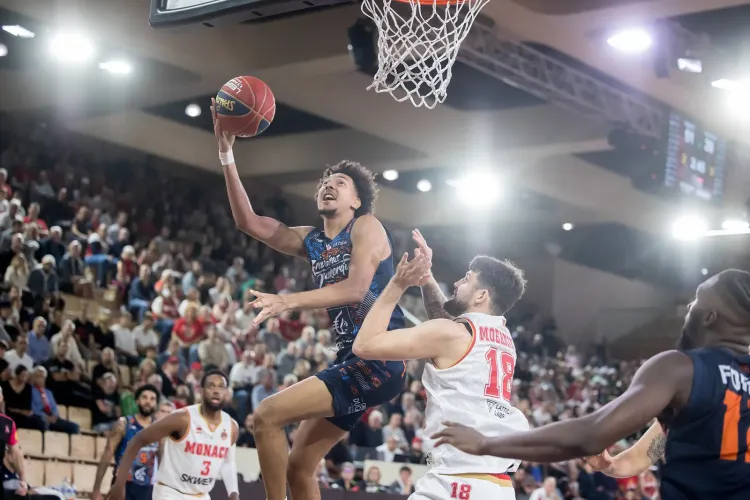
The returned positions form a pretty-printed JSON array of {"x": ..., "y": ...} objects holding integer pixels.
[
  {"x": 474, "y": 392},
  {"x": 192, "y": 464}
]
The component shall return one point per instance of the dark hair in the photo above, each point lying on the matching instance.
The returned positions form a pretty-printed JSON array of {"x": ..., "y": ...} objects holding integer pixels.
[
  {"x": 146, "y": 388},
  {"x": 364, "y": 183},
  {"x": 213, "y": 372},
  {"x": 502, "y": 278},
  {"x": 19, "y": 369},
  {"x": 405, "y": 468}
]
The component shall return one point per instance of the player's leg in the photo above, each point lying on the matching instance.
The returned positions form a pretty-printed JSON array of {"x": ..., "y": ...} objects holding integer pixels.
[
  {"x": 314, "y": 440},
  {"x": 309, "y": 399}
]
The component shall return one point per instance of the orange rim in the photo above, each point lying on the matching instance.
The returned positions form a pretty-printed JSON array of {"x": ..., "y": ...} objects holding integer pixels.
[{"x": 441, "y": 3}]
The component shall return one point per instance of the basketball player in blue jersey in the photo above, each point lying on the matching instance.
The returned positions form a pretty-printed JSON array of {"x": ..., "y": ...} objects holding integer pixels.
[
  {"x": 700, "y": 394},
  {"x": 352, "y": 262},
  {"x": 142, "y": 470}
]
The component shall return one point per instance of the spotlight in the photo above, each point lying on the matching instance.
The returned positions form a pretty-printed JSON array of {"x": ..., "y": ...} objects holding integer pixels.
[
  {"x": 689, "y": 228},
  {"x": 729, "y": 84},
  {"x": 193, "y": 110},
  {"x": 424, "y": 185},
  {"x": 690, "y": 65},
  {"x": 704, "y": 271},
  {"x": 631, "y": 41},
  {"x": 19, "y": 31},
  {"x": 567, "y": 226},
  {"x": 71, "y": 48},
  {"x": 477, "y": 189},
  {"x": 3, "y": 50},
  {"x": 390, "y": 175},
  {"x": 116, "y": 67},
  {"x": 735, "y": 225}
]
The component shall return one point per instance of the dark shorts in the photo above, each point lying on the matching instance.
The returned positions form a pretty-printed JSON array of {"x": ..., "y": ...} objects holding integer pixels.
[
  {"x": 357, "y": 385},
  {"x": 138, "y": 491}
]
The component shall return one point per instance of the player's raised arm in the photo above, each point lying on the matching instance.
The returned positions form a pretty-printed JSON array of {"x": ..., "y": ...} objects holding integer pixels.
[
  {"x": 432, "y": 296},
  {"x": 664, "y": 381},
  {"x": 369, "y": 246},
  {"x": 636, "y": 459},
  {"x": 288, "y": 240},
  {"x": 113, "y": 440},
  {"x": 174, "y": 425}
]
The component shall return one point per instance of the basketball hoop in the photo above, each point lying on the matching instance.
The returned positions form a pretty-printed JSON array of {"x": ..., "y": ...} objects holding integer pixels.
[{"x": 418, "y": 41}]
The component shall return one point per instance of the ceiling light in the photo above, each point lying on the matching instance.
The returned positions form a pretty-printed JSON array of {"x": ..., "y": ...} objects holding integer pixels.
[
  {"x": 390, "y": 175},
  {"x": 424, "y": 185},
  {"x": 735, "y": 225},
  {"x": 3, "y": 50},
  {"x": 689, "y": 228},
  {"x": 452, "y": 182},
  {"x": 18, "y": 31},
  {"x": 193, "y": 110},
  {"x": 567, "y": 226},
  {"x": 631, "y": 40},
  {"x": 690, "y": 65},
  {"x": 72, "y": 48},
  {"x": 728, "y": 84},
  {"x": 478, "y": 189},
  {"x": 116, "y": 67},
  {"x": 704, "y": 271}
]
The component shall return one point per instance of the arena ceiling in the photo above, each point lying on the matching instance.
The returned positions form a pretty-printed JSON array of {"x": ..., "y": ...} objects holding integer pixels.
[{"x": 325, "y": 114}]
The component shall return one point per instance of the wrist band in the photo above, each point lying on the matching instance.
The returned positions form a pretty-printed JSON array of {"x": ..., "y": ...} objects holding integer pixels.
[{"x": 226, "y": 158}]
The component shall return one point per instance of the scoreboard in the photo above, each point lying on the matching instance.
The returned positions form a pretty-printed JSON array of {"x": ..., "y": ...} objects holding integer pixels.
[{"x": 696, "y": 160}]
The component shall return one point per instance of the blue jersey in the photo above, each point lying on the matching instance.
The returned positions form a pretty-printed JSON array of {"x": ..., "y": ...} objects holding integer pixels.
[
  {"x": 330, "y": 264},
  {"x": 707, "y": 451},
  {"x": 142, "y": 470}
]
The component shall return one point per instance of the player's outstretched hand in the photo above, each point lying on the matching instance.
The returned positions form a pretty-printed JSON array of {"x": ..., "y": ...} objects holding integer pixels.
[
  {"x": 270, "y": 305},
  {"x": 421, "y": 244},
  {"x": 602, "y": 462},
  {"x": 225, "y": 139},
  {"x": 414, "y": 272},
  {"x": 464, "y": 438}
]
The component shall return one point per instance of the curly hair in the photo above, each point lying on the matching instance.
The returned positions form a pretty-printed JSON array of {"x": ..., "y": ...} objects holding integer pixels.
[{"x": 364, "y": 183}]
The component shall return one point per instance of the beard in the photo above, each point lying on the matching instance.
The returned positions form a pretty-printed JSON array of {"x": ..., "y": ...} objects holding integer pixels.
[
  {"x": 211, "y": 406},
  {"x": 327, "y": 212},
  {"x": 146, "y": 412},
  {"x": 455, "y": 307}
]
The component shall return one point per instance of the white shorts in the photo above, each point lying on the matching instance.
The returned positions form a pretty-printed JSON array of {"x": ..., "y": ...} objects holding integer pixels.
[
  {"x": 163, "y": 492},
  {"x": 434, "y": 486}
]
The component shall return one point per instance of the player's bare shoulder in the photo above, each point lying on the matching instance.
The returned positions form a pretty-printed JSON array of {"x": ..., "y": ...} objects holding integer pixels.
[{"x": 369, "y": 232}]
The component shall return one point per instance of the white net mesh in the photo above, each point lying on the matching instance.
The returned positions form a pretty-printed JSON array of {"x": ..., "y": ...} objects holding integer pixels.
[{"x": 418, "y": 44}]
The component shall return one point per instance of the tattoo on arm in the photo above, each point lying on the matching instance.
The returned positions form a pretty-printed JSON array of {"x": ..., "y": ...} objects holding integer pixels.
[
  {"x": 433, "y": 300},
  {"x": 656, "y": 448}
]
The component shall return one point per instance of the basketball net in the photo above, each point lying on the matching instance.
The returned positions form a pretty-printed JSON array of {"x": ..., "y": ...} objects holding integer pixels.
[{"x": 418, "y": 41}]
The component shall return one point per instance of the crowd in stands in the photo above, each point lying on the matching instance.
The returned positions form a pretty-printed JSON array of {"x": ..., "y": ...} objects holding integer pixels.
[{"x": 162, "y": 279}]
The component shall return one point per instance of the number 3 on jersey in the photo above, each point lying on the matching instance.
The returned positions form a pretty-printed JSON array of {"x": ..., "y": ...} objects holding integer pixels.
[
  {"x": 206, "y": 470},
  {"x": 500, "y": 383}
]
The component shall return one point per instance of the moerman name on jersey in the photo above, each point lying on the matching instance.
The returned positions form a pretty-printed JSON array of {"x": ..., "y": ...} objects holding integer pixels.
[{"x": 206, "y": 450}]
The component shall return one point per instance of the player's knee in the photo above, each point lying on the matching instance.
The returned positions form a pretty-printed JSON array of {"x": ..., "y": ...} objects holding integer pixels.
[
  {"x": 264, "y": 416},
  {"x": 299, "y": 469}
]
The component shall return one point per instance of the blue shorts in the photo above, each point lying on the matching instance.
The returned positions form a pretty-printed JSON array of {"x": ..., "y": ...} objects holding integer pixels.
[
  {"x": 135, "y": 491},
  {"x": 356, "y": 384}
]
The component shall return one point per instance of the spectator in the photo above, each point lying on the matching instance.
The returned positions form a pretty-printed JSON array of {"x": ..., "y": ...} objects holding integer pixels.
[
  {"x": 212, "y": 352},
  {"x": 53, "y": 244},
  {"x": 43, "y": 404},
  {"x": 347, "y": 482},
  {"x": 169, "y": 376},
  {"x": 43, "y": 279},
  {"x": 141, "y": 293},
  {"x": 372, "y": 480},
  {"x": 18, "y": 272},
  {"x": 388, "y": 450},
  {"x": 15, "y": 247},
  {"x": 394, "y": 428},
  {"x": 404, "y": 485},
  {"x": 242, "y": 377},
  {"x": 65, "y": 380},
  {"x": 173, "y": 350},
  {"x": 33, "y": 218},
  {"x": 113, "y": 231},
  {"x": 190, "y": 279},
  {"x": 370, "y": 436},
  {"x": 165, "y": 308},
  {"x": 145, "y": 336},
  {"x": 415, "y": 454},
  {"x": 17, "y": 395},
  {"x": 265, "y": 388},
  {"x": 189, "y": 332},
  {"x": 247, "y": 437},
  {"x": 19, "y": 355},
  {"x": 108, "y": 364},
  {"x": 12, "y": 214},
  {"x": 39, "y": 345},
  {"x": 71, "y": 273},
  {"x": 125, "y": 340},
  {"x": 192, "y": 299},
  {"x": 106, "y": 408},
  {"x": 81, "y": 226},
  {"x": 66, "y": 336},
  {"x": 98, "y": 257},
  {"x": 548, "y": 491}
]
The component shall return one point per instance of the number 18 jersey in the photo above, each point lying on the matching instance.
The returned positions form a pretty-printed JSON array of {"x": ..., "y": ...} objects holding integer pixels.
[{"x": 475, "y": 392}]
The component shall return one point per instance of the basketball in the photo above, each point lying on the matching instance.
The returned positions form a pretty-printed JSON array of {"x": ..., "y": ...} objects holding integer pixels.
[{"x": 245, "y": 106}]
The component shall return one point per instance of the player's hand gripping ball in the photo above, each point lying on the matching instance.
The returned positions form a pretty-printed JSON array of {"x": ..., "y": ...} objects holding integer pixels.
[{"x": 245, "y": 106}]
